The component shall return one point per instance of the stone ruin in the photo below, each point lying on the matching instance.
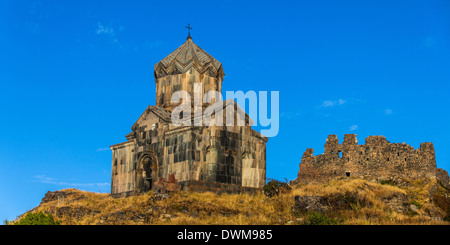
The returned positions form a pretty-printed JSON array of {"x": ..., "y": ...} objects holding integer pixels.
[
  {"x": 162, "y": 186},
  {"x": 377, "y": 159}
]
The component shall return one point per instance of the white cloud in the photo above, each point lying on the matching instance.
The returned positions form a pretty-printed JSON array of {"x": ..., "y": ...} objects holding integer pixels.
[
  {"x": 47, "y": 180},
  {"x": 101, "y": 29},
  {"x": 103, "y": 149},
  {"x": 388, "y": 111},
  {"x": 430, "y": 41},
  {"x": 109, "y": 31},
  {"x": 353, "y": 127},
  {"x": 32, "y": 27},
  {"x": 331, "y": 103},
  {"x": 289, "y": 115},
  {"x": 43, "y": 178}
]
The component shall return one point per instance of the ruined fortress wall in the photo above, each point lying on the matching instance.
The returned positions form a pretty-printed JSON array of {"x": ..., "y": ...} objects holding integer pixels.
[{"x": 377, "y": 158}]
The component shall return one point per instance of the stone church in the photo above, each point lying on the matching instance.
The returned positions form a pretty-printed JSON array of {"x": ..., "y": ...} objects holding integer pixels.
[{"x": 200, "y": 158}]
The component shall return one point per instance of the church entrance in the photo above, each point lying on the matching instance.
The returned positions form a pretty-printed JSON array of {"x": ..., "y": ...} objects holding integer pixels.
[{"x": 148, "y": 165}]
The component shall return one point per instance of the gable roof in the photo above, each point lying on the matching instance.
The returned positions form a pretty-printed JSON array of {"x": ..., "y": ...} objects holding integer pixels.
[
  {"x": 158, "y": 111},
  {"x": 224, "y": 106}
]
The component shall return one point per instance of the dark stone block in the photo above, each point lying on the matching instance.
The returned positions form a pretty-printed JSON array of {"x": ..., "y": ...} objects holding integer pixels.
[
  {"x": 221, "y": 178},
  {"x": 197, "y": 155}
]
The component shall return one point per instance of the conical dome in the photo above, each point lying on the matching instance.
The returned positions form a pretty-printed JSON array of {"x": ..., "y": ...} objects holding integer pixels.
[{"x": 189, "y": 56}]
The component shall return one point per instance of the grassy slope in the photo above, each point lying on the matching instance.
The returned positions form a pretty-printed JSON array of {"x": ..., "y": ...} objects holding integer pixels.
[{"x": 369, "y": 203}]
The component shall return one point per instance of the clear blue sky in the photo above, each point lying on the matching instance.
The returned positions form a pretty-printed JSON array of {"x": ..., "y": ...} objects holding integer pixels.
[{"x": 75, "y": 75}]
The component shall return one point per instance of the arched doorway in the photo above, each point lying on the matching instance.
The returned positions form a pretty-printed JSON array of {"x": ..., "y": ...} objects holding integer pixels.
[{"x": 148, "y": 171}]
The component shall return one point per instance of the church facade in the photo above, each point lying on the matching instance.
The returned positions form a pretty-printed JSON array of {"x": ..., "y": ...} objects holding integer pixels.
[{"x": 228, "y": 158}]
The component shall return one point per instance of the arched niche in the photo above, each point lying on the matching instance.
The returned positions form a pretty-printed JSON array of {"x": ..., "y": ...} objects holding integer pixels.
[
  {"x": 147, "y": 171},
  {"x": 230, "y": 162}
]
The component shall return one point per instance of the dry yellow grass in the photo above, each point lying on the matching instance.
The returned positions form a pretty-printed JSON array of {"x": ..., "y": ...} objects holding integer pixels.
[{"x": 192, "y": 208}]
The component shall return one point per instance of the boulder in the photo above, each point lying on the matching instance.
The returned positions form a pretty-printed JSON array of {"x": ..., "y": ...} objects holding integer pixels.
[{"x": 304, "y": 204}]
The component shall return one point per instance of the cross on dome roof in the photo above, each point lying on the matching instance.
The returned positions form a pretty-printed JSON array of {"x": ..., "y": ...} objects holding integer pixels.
[{"x": 189, "y": 30}]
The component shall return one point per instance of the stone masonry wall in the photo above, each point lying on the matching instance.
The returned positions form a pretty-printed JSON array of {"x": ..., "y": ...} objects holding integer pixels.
[
  {"x": 376, "y": 159},
  {"x": 228, "y": 155}
]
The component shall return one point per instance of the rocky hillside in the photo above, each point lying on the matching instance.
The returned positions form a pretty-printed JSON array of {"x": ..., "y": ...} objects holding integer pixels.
[{"x": 345, "y": 201}]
